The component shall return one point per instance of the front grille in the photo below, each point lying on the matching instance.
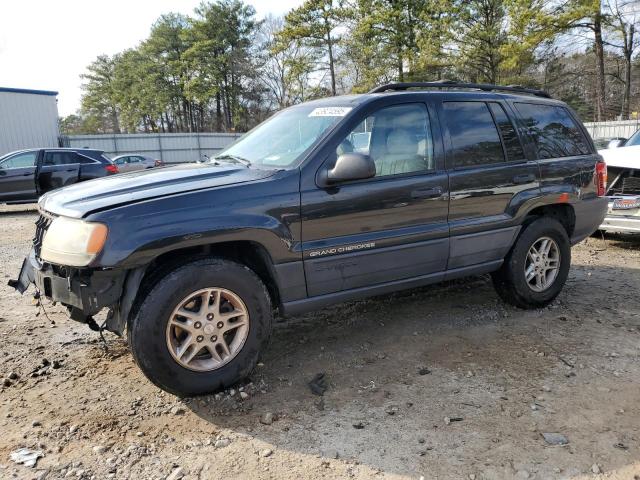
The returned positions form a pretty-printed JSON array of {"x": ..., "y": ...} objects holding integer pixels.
[{"x": 42, "y": 224}]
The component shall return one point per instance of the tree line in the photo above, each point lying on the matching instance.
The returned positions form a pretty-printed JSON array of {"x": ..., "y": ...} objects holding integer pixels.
[{"x": 222, "y": 69}]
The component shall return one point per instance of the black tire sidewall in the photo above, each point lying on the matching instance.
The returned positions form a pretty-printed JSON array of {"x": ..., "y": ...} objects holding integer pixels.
[
  {"x": 543, "y": 227},
  {"x": 147, "y": 334}
]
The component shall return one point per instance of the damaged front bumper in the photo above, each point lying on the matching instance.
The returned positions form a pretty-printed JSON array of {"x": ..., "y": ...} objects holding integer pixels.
[{"x": 83, "y": 291}]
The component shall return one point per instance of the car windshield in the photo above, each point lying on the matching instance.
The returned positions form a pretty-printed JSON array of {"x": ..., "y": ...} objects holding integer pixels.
[
  {"x": 279, "y": 142},
  {"x": 634, "y": 140}
]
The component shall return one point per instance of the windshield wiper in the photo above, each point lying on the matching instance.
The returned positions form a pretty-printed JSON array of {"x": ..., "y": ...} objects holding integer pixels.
[{"x": 234, "y": 158}]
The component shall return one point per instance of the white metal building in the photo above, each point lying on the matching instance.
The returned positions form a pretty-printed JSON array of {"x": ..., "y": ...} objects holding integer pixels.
[{"x": 28, "y": 119}]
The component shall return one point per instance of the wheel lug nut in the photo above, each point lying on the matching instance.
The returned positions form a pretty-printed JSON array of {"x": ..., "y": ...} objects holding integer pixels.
[
  {"x": 220, "y": 325},
  {"x": 197, "y": 325},
  {"x": 200, "y": 338},
  {"x": 214, "y": 339},
  {"x": 210, "y": 316}
]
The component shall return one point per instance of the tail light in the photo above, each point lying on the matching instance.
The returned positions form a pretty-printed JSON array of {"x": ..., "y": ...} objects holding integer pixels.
[
  {"x": 601, "y": 178},
  {"x": 111, "y": 168},
  {"x": 159, "y": 163}
]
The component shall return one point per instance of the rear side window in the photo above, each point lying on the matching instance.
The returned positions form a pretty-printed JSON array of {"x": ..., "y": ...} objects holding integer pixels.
[
  {"x": 85, "y": 160},
  {"x": 553, "y": 131},
  {"x": 473, "y": 134},
  {"x": 61, "y": 158},
  {"x": 509, "y": 135}
]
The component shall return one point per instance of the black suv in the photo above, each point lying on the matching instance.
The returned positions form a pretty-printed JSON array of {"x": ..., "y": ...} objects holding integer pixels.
[
  {"x": 27, "y": 174},
  {"x": 328, "y": 201}
]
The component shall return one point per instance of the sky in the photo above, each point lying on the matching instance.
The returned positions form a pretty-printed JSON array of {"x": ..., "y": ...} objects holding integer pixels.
[{"x": 47, "y": 44}]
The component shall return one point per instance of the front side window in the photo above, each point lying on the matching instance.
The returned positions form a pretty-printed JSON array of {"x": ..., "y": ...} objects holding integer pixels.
[
  {"x": 553, "y": 131},
  {"x": 474, "y": 136},
  {"x": 21, "y": 160},
  {"x": 60, "y": 158},
  {"x": 398, "y": 138},
  {"x": 281, "y": 141}
]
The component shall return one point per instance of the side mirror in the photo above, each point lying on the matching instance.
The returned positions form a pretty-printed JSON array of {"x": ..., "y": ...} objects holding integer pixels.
[
  {"x": 616, "y": 142},
  {"x": 351, "y": 166}
]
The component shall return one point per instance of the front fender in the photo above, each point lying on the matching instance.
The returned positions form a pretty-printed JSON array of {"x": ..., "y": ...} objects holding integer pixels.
[{"x": 142, "y": 231}]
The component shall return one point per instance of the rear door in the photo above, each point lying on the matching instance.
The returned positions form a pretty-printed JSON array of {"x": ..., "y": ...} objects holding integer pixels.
[
  {"x": 388, "y": 228},
  {"x": 489, "y": 177},
  {"x": 17, "y": 177},
  {"x": 59, "y": 168}
]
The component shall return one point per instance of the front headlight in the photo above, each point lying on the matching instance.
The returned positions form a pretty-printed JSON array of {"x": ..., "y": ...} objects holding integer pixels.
[{"x": 73, "y": 242}]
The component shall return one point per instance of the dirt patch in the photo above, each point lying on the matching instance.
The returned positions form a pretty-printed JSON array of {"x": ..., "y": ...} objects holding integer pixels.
[{"x": 442, "y": 382}]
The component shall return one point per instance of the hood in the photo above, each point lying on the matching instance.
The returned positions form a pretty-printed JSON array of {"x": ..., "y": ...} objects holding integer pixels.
[
  {"x": 622, "y": 157},
  {"x": 83, "y": 198}
]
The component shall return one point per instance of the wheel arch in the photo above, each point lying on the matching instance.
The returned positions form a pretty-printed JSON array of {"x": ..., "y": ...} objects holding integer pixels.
[
  {"x": 141, "y": 280},
  {"x": 562, "y": 212}
]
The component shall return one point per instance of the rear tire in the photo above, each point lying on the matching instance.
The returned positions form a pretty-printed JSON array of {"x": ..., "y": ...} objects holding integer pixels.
[
  {"x": 173, "y": 323},
  {"x": 513, "y": 281}
]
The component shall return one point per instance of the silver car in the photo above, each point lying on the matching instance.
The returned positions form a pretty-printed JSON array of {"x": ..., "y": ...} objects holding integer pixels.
[{"x": 129, "y": 163}]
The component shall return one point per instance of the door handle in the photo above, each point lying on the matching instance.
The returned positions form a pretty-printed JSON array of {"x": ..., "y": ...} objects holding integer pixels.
[
  {"x": 524, "y": 178},
  {"x": 427, "y": 193}
]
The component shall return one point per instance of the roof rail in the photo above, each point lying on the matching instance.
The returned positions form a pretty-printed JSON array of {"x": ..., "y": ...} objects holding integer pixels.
[{"x": 487, "y": 87}]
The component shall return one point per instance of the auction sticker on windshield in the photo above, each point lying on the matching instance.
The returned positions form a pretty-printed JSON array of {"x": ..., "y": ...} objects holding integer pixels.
[{"x": 330, "y": 111}]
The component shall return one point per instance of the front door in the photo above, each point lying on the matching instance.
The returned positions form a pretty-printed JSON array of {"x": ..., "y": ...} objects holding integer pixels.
[
  {"x": 387, "y": 228},
  {"x": 17, "y": 177},
  {"x": 489, "y": 178}
]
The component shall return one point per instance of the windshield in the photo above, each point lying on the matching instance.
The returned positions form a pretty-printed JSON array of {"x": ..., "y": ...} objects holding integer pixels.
[
  {"x": 634, "y": 140},
  {"x": 280, "y": 141}
]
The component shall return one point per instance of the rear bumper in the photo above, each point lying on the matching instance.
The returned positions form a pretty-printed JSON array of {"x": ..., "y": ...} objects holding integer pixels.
[
  {"x": 621, "y": 223},
  {"x": 589, "y": 216},
  {"x": 87, "y": 291}
]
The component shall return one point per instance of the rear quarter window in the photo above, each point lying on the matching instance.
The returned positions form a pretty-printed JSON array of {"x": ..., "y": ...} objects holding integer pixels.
[{"x": 553, "y": 131}]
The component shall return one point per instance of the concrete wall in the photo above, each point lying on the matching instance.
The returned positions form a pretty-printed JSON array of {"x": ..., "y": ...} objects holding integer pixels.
[
  {"x": 169, "y": 147},
  {"x": 624, "y": 129},
  {"x": 28, "y": 119}
]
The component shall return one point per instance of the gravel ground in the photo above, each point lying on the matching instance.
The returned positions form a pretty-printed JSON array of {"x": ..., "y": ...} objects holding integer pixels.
[{"x": 444, "y": 382}]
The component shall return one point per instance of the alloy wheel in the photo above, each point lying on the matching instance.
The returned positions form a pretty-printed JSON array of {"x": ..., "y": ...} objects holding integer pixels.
[
  {"x": 207, "y": 329},
  {"x": 542, "y": 264}
]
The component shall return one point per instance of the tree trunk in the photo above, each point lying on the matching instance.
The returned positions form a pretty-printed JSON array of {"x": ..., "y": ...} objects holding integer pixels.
[
  {"x": 116, "y": 123},
  {"x": 332, "y": 70},
  {"x": 601, "y": 108},
  {"x": 628, "y": 54}
]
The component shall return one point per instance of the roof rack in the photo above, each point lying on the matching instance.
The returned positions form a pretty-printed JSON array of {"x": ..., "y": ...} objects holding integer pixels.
[{"x": 487, "y": 87}]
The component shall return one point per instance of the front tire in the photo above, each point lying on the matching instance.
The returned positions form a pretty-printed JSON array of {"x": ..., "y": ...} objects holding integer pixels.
[
  {"x": 536, "y": 268},
  {"x": 202, "y": 327}
]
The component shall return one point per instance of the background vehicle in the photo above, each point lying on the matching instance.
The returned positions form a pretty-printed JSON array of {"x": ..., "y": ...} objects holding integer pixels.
[
  {"x": 301, "y": 213},
  {"x": 618, "y": 142},
  {"x": 611, "y": 142},
  {"x": 27, "y": 174},
  {"x": 623, "y": 190},
  {"x": 129, "y": 163}
]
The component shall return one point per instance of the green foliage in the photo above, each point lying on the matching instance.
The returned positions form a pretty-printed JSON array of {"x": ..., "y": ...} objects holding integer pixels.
[{"x": 221, "y": 69}]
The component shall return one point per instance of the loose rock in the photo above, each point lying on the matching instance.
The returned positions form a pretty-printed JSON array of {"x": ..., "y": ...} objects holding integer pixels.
[
  {"x": 555, "y": 439},
  {"x": 267, "y": 452},
  {"x": 223, "y": 442},
  {"x": 176, "y": 474},
  {"x": 266, "y": 418},
  {"x": 178, "y": 410}
]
